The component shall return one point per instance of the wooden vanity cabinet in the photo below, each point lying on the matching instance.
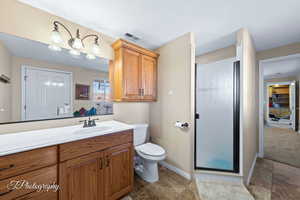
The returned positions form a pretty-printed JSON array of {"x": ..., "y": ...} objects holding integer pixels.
[
  {"x": 105, "y": 172},
  {"x": 133, "y": 73},
  {"x": 98, "y": 168}
]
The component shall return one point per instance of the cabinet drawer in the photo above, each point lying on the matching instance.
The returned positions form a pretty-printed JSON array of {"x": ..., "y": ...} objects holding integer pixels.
[
  {"x": 8, "y": 186},
  {"x": 39, "y": 196},
  {"x": 78, "y": 148},
  {"x": 20, "y": 163}
]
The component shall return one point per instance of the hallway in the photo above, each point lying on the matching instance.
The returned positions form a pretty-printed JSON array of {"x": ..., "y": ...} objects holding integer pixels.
[
  {"x": 282, "y": 145},
  {"x": 275, "y": 181}
]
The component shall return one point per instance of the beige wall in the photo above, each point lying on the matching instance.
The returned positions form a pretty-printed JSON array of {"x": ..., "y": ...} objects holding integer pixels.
[
  {"x": 250, "y": 95},
  {"x": 80, "y": 76},
  {"x": 24, "y": 21},
  {"x": 285, "y": 50},
  {"x": 5, "y": 89},
  {"x": 220, "y": 54},
  {"x": 175, "y": 101}
]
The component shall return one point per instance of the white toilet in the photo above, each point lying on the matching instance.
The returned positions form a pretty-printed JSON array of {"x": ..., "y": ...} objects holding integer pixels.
[{"x": 147, "y": 154}]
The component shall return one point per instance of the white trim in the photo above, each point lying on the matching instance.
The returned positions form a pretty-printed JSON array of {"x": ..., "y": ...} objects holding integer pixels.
[
  {"x": 23, "y": 101},
  {"x": 261, "y": 111},
  {"x": 239, "y": 53},
  {"x": 251, "y": 170},
  {"x": 176, "y": 170}
]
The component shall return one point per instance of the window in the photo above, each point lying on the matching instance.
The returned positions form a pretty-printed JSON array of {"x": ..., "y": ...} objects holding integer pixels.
[{"x": 101, "y": 90}]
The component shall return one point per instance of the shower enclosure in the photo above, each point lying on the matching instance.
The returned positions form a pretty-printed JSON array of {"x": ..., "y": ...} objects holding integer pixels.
[{"x": 217, "y": 116}]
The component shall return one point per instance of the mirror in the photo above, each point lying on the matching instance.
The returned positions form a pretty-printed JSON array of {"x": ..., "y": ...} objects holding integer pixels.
[{"x": 37, "y": 83}]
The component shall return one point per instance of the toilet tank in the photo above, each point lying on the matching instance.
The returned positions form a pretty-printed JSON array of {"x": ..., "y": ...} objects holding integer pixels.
[{"x": 140, "y": 134}]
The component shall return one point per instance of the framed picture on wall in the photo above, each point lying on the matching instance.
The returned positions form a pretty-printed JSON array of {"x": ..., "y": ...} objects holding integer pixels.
[{"x": 82, "y": 92}]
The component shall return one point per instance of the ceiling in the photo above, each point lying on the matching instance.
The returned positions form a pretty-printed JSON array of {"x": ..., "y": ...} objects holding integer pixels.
[
  {"x": 282, "y": 67},
  {"x": 272, "y": 23},
  {"x": 25, "y": 48}
]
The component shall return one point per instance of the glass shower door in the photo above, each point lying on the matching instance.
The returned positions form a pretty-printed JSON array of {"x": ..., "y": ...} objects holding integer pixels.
[{"x": 217, "y": 116}]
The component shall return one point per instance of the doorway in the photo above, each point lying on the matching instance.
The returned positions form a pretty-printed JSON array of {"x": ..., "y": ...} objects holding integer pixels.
[
  {"x": 279, "y": 109},
  {"x": 45, "y": 94},
  {"x": 217, "y": 116}
]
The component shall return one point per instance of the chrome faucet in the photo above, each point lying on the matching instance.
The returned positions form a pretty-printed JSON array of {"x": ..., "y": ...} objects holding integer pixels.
[{"x": 89, "y": 123}]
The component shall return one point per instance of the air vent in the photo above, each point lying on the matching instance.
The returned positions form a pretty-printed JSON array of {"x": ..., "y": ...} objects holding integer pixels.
[{"x": 131, "y": 37}]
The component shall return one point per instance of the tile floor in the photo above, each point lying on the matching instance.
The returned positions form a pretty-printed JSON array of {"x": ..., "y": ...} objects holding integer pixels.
[
  {"x": 171, "y": 186},
  {"x": 282, "y": 145},
  {"x": 275, "y": 181}
]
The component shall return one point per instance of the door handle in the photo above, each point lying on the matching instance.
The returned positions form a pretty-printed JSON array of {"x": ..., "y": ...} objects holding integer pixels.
[
  {"x": 142, "y": 91},
  {"x": 101, "y": 163}
]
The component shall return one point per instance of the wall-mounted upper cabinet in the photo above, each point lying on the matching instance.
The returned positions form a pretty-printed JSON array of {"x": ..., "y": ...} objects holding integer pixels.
[{"x": 133, "y": 73}]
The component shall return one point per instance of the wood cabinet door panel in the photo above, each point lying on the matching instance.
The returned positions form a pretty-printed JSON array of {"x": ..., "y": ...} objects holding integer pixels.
[
  {"x": 81, "y": 178},
  {"x": 119, "y": 171},
  {"x": 131, "y": 74},
  {"x": 148, "y": 73}
]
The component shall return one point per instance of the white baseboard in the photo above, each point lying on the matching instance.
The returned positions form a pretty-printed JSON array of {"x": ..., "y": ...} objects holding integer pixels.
[
  {"x": 251, "y": 170},
  {"x": 176, "y": 170}
]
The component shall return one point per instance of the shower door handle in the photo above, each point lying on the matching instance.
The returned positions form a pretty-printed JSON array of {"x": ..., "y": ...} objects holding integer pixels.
[{"x": 197, "y": 116}]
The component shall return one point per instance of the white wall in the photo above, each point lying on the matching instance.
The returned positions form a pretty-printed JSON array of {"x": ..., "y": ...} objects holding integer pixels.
[{"x": 176, "y": 66}]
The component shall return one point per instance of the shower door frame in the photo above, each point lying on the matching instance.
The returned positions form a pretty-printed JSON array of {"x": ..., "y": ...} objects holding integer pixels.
[{"x": 236, "y": 121}]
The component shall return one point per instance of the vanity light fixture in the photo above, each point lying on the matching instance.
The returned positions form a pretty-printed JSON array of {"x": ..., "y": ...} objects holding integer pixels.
[{"x": 76, "y": 43}]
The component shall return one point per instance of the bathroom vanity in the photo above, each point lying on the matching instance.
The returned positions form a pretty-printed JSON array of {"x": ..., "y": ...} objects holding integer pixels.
[{"x": 87, "y": 163}]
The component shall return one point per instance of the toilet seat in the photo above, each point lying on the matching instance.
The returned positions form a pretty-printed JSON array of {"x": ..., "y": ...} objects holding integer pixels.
[{"x": 150, "y": 149}]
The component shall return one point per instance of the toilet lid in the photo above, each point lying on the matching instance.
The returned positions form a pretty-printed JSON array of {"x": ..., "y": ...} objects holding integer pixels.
[{"x": 151, "y": 149}]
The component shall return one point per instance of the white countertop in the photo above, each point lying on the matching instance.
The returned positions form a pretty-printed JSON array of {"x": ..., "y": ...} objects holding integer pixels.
[{"x": 24, "y": 141}]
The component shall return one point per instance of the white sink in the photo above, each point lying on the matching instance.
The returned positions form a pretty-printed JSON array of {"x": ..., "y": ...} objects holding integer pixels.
[{"x": 93, "y": 129}]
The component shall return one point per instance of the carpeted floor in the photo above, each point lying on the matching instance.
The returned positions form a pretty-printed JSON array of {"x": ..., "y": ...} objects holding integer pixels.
[
  {"x": 170, "y": 186},
  {"x": 282, "y": 145},
  {"x": 275, "y": 181}
]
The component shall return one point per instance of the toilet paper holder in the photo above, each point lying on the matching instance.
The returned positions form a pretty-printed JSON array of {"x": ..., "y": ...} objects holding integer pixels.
[{"x": 182, "y": 125}]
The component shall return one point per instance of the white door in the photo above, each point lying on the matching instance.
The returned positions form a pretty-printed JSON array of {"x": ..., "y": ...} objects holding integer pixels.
[
  {"x": 293, "y": 104},
  {"x": 47, "y": 94},
  {"x": 216, "y": 124}
]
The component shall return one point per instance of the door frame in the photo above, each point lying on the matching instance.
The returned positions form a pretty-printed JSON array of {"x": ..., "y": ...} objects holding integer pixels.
[
  {"x": 23, "y": 88},
  {"x": 237, "y": 70},
  {"x": 261, "y": 98}
]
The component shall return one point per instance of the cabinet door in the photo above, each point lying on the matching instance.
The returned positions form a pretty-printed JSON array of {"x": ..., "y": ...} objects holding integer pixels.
[
  {"x": 119, "y": 171},
  {"x": 82, "y": 178},
  {"x": 131, "y": 74},
  {"x": 148, "y": 73}
]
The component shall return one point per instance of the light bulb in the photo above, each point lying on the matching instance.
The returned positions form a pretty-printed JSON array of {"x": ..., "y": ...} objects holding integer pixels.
[
  {"x": 54, "y": 47},
  {"x": 56, "y": 37},
  {"x": 74, "y": 52},
  {"x": 90, "y": 56},
  {"x": 95, "y": 49},
  {"x": 77, "y": 44}
]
